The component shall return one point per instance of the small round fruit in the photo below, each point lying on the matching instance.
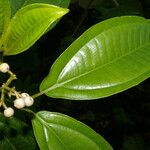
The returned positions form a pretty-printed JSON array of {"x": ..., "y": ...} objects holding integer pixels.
[
  {"x": 4, "y": 67},
  {"x": 19, "y": 103},
  {"x": 24, "y": 95},
  {"x": 8, "y": 112},
  {"x": 28, "y": 101}
]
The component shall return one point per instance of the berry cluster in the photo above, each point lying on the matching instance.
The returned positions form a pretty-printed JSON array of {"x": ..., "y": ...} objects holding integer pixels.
[
  {"x": 25, "y": 100},
  {"x": 22, "y": 99}
]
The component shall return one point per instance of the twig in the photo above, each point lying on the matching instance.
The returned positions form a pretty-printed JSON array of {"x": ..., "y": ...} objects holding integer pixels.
[
  {"x": 11, "y": 78},
  {"x": 5, "y": 86}
]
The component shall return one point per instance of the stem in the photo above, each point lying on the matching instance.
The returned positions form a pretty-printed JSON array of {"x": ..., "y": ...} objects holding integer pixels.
[
  {"x": 4, "y": 105},
  {"x": 8, "y": 88},
  {"x": 2, "y": 99},
  {"x": 28, "y": 110},
  {"x": 37, "y": 95},
  {"x": 5, "y": 86},
  {"x": 17, "y": 94},
  {"x": 12, "y": 90},
  {"x": 45, "y": 91},
  {"x": 11, "y": 78}
]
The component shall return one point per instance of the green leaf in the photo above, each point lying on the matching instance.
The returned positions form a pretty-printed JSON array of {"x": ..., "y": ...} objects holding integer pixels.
[
  {"x": 19, "y": 142},
  {"x": 4, "y": 16},
  {"x": 17, "y": 4},
  {"x": 28, "y": 25},
  {"x": 110, "y": 57},
  {"x": 55, "y": 131},
  {"x": 124, "y": 8},
  {"x": 61, "y": 3}
]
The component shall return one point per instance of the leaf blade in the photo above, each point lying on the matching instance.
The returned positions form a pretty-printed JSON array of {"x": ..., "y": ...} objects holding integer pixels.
[
  {"x": 116, "y": 38},
  {"x": 61, "y": 3},
  {"x": 17, "y": 4},
  {"x": 65, "y": 133},
  {"x": 4, "y": 16},
  {"x": 28, "y": 25}
]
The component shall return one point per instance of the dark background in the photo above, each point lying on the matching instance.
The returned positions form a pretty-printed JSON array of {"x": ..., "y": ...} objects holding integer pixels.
[{"x": 123, "y": 119}]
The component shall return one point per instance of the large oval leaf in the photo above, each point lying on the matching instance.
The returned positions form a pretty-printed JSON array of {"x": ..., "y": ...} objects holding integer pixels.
[
  {"x": 55, "y": 131},
  {"x": 4, "y": 16},
  {"x": 28, "y": 25},
  {"x": 110, "y": 57}
]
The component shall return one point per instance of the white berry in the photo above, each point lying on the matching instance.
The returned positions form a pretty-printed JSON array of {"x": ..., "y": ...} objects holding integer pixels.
[
  {"x": 24, "y": 95},
  {"x": 8, "y": 112},
  {"x": 4, "y": 67},
  {"x": 28, "y": 101},
  {"x": 19, "y": 103}
]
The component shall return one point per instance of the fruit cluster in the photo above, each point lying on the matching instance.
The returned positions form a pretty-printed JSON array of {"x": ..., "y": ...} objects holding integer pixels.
[{"x": 22, "y": 99}]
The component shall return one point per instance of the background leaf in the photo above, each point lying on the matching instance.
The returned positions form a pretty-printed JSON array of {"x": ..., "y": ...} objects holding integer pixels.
[
  {"x": 110, "y": 57},
  {"x": 15, "y": 134},
  {"x": 57, "y": 131},
  {"x": 23, "y": 142},
  {"x": 118, "y": 8},
  {"x": 16, "y": 5},
  {"x": 4, "y": 16},
  {"x": 28, "y": 25}
]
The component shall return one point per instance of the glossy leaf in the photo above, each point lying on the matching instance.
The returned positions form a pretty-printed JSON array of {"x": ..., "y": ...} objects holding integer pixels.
[
  {"x": 4, "y": 16},
  {"x": 28, "y": 25},
  {"x": 110, "y": 57},
  {"x": 17, "y": 4},
  {"x": 61, "y": 3},
  {"x": 55, "y": 131}
]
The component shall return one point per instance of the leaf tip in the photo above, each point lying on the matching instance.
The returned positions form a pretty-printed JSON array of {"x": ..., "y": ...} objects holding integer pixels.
[{"x": 63, "y": 11}]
